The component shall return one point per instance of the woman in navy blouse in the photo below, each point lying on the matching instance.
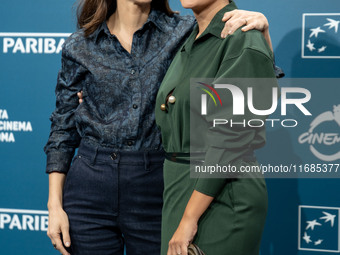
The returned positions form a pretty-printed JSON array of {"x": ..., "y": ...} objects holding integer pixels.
[{"x": 109, "y": 196}]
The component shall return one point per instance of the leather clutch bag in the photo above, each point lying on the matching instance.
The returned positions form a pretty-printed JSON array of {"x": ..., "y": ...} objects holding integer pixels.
[{"x": 194, "y": 250}]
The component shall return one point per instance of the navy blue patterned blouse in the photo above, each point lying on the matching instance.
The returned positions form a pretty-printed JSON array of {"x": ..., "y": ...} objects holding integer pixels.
[{"x": 119, "y": 89}]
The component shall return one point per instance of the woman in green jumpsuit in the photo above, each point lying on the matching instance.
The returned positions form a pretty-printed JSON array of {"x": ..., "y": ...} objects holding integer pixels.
[{"x": 221, "y": 215}]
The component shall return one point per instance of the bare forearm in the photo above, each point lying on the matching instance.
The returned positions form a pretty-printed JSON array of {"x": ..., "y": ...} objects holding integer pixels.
[
  {"x": 56, "y": 184},
  {"x": 197, "y": 205},
  {"x": 187, "y": 228},
  {"x": 58, "y": 224}
]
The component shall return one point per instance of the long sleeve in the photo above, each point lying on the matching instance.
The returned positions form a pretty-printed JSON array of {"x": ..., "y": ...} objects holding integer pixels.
[
  {"x": 64, "y": 138},
  {"x": 226, "y": 144}
]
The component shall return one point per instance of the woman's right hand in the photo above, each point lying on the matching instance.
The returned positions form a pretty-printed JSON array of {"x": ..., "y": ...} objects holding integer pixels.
[{"x": 58, "y": 229}]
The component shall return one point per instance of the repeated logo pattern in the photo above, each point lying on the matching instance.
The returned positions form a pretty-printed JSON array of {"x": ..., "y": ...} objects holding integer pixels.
[
  {"x": 321, "y": 36},
  {"x": 319, "y": 228}
]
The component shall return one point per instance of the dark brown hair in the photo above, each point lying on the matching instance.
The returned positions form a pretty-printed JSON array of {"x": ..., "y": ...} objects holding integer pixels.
[{"x": 91, "y": 13}]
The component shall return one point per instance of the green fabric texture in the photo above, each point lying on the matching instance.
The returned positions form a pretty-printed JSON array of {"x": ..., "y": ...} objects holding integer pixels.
[{"x": 239, "y": 208}]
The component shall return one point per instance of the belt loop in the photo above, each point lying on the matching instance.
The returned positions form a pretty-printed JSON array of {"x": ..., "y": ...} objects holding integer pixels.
[
  {"x": 93, "y": 161},
  {"x": 146, "y": 161}
]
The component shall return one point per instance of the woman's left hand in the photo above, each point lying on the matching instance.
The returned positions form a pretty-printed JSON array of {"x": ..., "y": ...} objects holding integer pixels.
[
  {"x": 184, "y": 234},
  {"x": 250, "y": 20}
]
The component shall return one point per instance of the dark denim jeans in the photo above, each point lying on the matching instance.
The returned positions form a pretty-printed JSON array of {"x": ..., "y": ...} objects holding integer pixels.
[{"x": 114, "y": 199}]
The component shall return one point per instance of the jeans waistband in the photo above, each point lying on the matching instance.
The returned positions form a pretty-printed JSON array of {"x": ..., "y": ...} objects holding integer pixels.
[{"x": 99, "y": 153}]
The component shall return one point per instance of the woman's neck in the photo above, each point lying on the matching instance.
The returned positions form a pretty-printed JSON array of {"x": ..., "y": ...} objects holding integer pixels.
[
  {"x": 206, "y": 14},
  {"x": 126, "y": 20}
]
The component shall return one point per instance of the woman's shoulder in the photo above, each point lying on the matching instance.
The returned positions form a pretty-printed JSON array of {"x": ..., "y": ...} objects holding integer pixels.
[
  {"x": 75, "y": 40},
  {"x": 179, "y": 22},
  {"x": 76, "y": 37},
  {"x": 240, "y": 41},
  {"x": 185, "y": 19}
]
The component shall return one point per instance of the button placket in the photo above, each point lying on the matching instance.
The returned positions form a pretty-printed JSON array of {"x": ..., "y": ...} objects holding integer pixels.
[{"x": 136, "y": 105}]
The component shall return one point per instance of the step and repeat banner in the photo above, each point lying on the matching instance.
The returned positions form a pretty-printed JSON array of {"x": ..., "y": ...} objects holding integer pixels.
[{"x": 303, "y": 215}]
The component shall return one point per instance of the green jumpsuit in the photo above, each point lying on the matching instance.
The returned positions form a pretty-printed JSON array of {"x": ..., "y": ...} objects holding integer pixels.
[{"x": 234, "y": 221}]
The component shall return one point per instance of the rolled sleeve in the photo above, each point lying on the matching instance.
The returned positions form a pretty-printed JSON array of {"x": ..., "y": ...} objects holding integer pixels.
[{"x": 64, "y": 137}]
